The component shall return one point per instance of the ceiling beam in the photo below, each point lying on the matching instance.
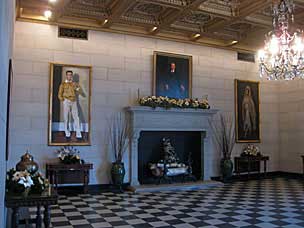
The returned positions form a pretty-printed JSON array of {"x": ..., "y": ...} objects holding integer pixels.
[
  {"x": 247, "y": 7},
  {"x": 118, "y": 9},
  {"x": 162, "y": 3},
  {"x": 59, "y": 9},
  {"x": 33, "y": 4},
  {"x": 299, "y": 16},
  {"x": 175, "y": 15},
  {"x": 18, "y": 9}
]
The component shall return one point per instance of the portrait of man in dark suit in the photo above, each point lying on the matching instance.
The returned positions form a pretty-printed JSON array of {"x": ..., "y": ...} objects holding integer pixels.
[{"x": 172, "y": 75}]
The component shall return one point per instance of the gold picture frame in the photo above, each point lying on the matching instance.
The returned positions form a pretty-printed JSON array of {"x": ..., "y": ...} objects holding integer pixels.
[
  {"x": 69, "y": 121},
  {"x": 247, "y": 111},
  {"x": 172, "y": 75}
]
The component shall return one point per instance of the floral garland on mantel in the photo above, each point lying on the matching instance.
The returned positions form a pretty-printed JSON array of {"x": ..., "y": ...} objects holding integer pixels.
[{"x": 166, "y": 102}]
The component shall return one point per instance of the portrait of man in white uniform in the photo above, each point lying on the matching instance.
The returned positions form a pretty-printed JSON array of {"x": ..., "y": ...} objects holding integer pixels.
[
  {"x": 67, "y": 94},
  {"x": 69, "y": 105}
]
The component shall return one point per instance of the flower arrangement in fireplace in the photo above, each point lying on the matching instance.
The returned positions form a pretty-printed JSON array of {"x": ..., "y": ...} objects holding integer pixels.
[
  {"x": 166, "y": 102},
  {"x": 25, "y": 182},
  {"x": 69, "y": 155},
  {"x": 170, "y": 165},
  {"x": 251, "y": 150}
]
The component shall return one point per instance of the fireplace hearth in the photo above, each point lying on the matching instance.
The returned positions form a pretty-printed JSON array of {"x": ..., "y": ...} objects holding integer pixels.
[
  {"x": 155, "y": 166},
  {"x": 146, "y": 120}
]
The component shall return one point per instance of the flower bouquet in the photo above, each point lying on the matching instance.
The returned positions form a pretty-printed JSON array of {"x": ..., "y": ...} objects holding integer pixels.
[
  {"x": 69, "y": 155},
  {"x": 22, "y": 182},
  {"x": 251, "y": 150},
  {"x": 166, "y": 102}
]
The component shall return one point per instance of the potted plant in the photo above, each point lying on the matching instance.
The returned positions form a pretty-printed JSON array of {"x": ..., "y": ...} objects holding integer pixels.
[
  {"x": 120, "y": 133},
  {"x": 224, "y": 136}
]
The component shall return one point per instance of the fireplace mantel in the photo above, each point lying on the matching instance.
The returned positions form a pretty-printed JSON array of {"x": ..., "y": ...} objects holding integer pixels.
[
  {"x": 161, "y": 119},
  {"x": 191, "y": 111}
]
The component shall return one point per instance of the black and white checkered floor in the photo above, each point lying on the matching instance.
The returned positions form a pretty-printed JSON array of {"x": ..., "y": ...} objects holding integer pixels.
[{"x": 266, "y": 203}]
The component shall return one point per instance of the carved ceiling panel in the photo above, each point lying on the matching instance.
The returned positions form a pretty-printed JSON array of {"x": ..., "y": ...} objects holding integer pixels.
[
  {"x": 196, "y": 18},
  {"x": 172, "y": 2},
  {"x": 95, "y": 9},
  {"x": 222, "y": 21},
  {"x": 219, "y": 7},
  {"x": 144, "y": 12},
  {"x": 240, "y": 26}
]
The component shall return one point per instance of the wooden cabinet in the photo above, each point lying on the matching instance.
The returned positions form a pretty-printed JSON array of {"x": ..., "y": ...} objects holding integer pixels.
[
  {"x": 45, "y": 199},
  {"x": 69, "y": 174},
  {"x": 249, "y": 164}
]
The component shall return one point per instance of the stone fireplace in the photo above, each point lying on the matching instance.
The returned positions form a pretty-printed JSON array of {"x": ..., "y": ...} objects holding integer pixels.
[{"x": 147, "y": 120}]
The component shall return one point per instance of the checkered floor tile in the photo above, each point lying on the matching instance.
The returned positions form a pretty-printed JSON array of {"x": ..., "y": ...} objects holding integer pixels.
[{"x": 265, "y": 203}]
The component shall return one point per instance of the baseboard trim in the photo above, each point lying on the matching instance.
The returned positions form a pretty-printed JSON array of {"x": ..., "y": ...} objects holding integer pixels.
[
  {"x": 99, "y": 188},
  {"x": 256, "y": 176},
  {"x": 92, "y": 189}
]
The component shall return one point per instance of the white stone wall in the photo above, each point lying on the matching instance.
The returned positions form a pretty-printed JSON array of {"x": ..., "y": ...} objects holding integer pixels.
[
  {"x": 291, "y": 125},
  {"x": 6, "y": 34},
  {"x": 121, "y": 65}
]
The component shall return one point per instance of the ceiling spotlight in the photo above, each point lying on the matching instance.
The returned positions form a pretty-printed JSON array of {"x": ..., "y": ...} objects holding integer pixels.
[
  {"x": 47, "y": 14},
  {"x": 197, "y": 35},
  {"x": 104, "y": 22},
  {"x": 234, "y": 42},
  {"x": 52, "y": 1},
  {"x": 154, "y": 28}
]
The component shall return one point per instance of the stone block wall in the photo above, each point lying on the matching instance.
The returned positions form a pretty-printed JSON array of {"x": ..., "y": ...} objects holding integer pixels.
[
  {"x": 291, "y": 125},
  {"x": 122, "y": 64},
  {"x": 6, "y": 37}
]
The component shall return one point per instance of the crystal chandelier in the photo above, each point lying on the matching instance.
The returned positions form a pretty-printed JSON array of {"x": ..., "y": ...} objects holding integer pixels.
[{"x": 282, "y": 56}]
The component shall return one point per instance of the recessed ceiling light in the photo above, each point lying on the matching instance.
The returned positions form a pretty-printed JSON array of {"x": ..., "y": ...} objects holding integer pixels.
[
  {"x": 47, "y": 14},
  {"x": 154, "y": 28},
  {"x": 234, "y": 42},
  {"x": 197, "y": 35},
  {"x": 52, "y": 1}
]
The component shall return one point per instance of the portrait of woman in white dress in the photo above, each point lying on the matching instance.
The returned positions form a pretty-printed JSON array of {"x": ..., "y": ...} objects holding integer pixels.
[{"x": 247, "y": 111}]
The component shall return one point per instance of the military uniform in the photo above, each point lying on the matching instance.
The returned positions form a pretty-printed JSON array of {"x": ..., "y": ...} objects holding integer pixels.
[{"x": 68, "y": 91}]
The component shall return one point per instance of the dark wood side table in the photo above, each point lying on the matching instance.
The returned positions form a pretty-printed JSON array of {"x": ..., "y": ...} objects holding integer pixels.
[
  {"x": 249, "y": 161},
  {"x": 45, "y": 199},
  {"x": 59, "y": 173}
]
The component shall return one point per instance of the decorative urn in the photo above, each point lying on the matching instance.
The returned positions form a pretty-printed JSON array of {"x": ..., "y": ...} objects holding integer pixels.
[{"x": 27, "y": 163}]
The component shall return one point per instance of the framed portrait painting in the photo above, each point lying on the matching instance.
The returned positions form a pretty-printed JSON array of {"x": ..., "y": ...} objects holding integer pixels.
[
  {"x": 8, "y": 105},
  {"x": 247, "y": 111},
  {"x": 69, "y": 105},
  {"x": 172, "y": 75}
]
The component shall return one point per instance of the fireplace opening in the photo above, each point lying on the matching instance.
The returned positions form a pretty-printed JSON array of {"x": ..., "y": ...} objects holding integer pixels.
[{"x": 185, "y": 143}]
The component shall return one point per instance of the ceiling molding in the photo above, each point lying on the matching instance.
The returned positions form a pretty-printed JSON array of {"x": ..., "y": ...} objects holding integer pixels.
[{"x": 196, "y": 21}]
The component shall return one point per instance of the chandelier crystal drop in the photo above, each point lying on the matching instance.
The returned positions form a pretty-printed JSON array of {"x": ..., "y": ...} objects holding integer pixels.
[{"x": 282, "y": 56}]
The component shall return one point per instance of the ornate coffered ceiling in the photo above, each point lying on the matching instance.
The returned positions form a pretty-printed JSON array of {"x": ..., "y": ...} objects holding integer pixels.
[{"x": 208, "y": 22}]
